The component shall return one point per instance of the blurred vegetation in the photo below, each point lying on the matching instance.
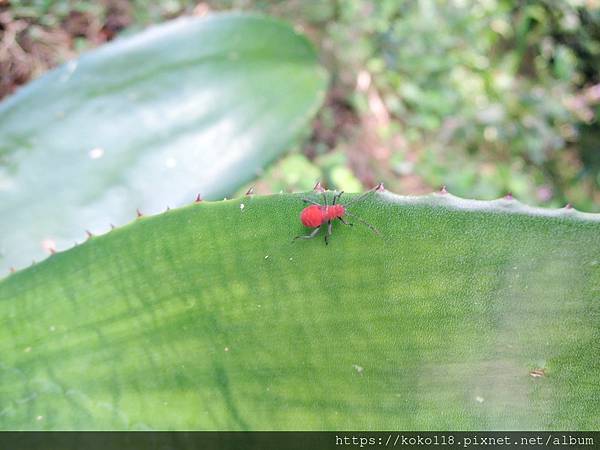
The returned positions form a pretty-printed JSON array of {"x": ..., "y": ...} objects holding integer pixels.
[{"x": 486, "y": 97}]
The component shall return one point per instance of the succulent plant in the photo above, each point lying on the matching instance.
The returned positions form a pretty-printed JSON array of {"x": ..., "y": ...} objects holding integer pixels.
[
  {"x": 465, "y": 315},
  {"x": 193, "y": 105}
]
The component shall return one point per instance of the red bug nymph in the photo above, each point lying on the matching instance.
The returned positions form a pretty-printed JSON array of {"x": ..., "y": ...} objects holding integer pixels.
[{"x": 316, "y": 215}]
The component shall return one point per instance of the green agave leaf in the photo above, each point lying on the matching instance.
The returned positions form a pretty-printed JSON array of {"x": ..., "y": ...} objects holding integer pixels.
[
  {"x": 195, "y": 105},
  {"x": 465, "y": 315}
]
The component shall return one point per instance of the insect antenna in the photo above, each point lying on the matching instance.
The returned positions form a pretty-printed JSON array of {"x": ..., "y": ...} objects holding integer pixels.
[
  {"x": 363, "y": 196},
  {"x": 364, "y": 222}
]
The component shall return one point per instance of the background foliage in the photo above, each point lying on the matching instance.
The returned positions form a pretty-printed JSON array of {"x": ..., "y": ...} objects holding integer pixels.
[{"x": 484, "y": 97}]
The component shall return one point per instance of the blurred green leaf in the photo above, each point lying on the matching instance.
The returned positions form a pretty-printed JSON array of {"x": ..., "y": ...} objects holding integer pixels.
[{"x": 195, "y": 105}]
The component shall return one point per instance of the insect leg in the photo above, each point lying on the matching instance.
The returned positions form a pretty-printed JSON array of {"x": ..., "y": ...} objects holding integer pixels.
[
  {"x": 328, "y": 232},
  {"x": 307, "y": 200},
  {"x": 344, "y": 222},
  {"x": 310, "y": 236},
  {"x": 336, "y": 197},
  {"x": 363, "y": 196},
  {"x": 364, "y": 222}
]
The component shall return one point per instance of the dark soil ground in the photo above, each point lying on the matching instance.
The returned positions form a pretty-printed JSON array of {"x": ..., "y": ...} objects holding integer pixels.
[{"x": 29, "y": 48}]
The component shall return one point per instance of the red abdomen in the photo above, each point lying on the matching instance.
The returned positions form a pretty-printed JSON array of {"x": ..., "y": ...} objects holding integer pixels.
[{"x": 314, "y": 216}]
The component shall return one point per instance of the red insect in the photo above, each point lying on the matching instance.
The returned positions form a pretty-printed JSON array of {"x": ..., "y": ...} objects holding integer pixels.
[{"x": 316, "y": 215}]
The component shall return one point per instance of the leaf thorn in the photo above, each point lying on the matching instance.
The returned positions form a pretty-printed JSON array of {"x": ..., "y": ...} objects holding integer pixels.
[
  {"x": 198, "y": 199},
  {"x": 139, "y": 213},
  {"x": 250, "y": 191},
  {"x": 443, "y": 190},
  {"x": 318, "y": 187}
]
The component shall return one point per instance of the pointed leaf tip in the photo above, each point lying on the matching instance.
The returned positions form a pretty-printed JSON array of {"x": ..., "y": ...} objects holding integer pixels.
[
  {"x": 319, "y": 187},
  {"x": 250, "y": 191},
  {"x": 198, "y": 199}
]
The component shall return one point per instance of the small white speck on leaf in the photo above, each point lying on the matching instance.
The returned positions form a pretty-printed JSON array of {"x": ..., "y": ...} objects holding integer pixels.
[
  {"x": 27, "y": 350},
  {"x": 52, "y": 328},
  {"x": 39, "y": 417},
  {"x": 242, "y": 206},
  {"x": 479, "y": 399},
  {"x": 226, "y": 349},
  {"x": 266, "y": 256},
  {"x": 358, "y": 368},
  {"x": 291, "y": 259},
  {"x": 96, "y": 153}
]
